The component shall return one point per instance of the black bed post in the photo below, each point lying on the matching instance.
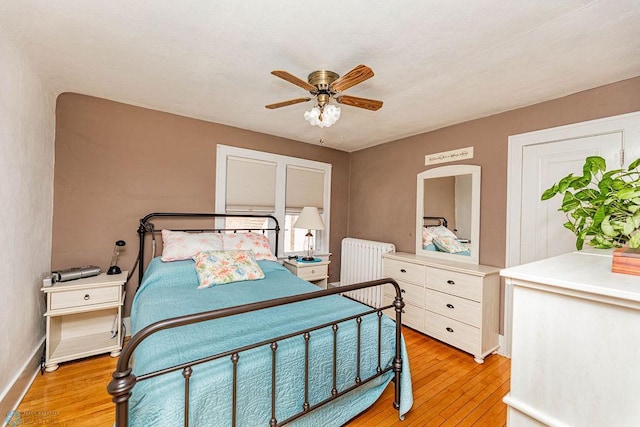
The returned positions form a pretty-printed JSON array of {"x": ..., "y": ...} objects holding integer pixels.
[
  {"x": 141, "y": 231},
  {"x": 398, "y": 304},
  {"x": 120, "y": 388}
]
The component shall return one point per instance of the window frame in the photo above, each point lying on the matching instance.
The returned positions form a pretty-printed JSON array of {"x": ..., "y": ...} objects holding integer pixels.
[{"x": 224, "y": 151}]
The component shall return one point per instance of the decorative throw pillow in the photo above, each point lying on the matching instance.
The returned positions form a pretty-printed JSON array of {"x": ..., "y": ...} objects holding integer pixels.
[
  {"x": 256, "y": 242},
  {"x": 448, "y": 244},
  {"x": 222, "y": 267},
  {"x": 429, "y": 233},
  {"x": 180, "y": 245}
]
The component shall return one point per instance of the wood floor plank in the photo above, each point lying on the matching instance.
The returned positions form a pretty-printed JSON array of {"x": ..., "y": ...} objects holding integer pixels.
[{"x": 449, "y": 388}]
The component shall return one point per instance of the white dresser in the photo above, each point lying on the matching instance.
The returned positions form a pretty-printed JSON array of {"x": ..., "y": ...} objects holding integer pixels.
[
  {"x": 454, "y": 302},
  {"x": 576, "y": 343}
]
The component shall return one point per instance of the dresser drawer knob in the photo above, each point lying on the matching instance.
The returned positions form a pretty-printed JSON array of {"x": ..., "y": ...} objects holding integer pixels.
[
  {"x": 403, "y": 291},
  {"x": 451, "y": 282},
  {"x": 313, "y": 271},
  {"x": 86, "y": 297},
  {"x": 402, "y": 270},
  {"x": 450, "y": 306},
  {"x": 449, "y": 329}
]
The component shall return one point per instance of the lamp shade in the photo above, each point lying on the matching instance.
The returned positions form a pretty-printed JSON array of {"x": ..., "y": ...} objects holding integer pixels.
[{"x": 309, "y": 219}]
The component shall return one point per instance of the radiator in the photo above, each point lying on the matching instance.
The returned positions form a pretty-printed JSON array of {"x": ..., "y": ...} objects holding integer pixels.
[{"x": 361, "y": 261}]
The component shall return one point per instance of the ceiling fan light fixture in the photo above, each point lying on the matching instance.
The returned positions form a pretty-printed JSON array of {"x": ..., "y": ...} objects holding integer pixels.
[{"x": 322, "y": 116}]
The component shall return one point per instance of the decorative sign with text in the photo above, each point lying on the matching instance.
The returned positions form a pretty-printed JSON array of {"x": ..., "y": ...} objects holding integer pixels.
[{"x": 449, "y": 156}]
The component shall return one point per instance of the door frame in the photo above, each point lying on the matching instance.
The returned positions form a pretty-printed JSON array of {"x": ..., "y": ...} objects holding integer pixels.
[{"x": 516, "y": 146}]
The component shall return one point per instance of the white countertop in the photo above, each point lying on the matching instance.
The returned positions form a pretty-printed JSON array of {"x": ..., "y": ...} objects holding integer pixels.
[{"x": 585, "y": 271}]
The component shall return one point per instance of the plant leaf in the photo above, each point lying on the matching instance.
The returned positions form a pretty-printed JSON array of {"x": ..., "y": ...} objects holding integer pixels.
[
  {"x": 607, "y": 228},
  {"x": 549, "y": 193},
  {"x": 599, "y": 216},
  {"x": 635, "y": 164},
  {"x": 628, "y": 193},
  {"x": 629, "y": 226},
  {"x": 596, "y": 163},
  {"x": 634, "y": 242}
]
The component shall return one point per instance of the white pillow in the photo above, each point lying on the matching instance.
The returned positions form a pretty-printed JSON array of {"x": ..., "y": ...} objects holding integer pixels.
[
  {"x": 180, "y": 245},
  {"x": 256, "y": 242}
]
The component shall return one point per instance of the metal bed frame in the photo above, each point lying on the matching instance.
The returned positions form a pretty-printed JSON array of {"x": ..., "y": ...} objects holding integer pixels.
[
  {"x": 123, "y": 380},
  {"x": 441, "y": 220}
]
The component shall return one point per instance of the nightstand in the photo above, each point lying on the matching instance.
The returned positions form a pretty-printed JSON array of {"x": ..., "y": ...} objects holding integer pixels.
[
  {"x": 314, "y": 272},
  {"x": 84, "y": 318}
]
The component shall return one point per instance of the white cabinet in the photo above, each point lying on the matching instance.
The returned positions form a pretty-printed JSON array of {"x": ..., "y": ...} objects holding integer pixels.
[
  {"x": 314, "y": 272},
  {"x": 457, "y": 303},
  {"x": 576, "y": 341},
  {"x": 84, "y": 318}
]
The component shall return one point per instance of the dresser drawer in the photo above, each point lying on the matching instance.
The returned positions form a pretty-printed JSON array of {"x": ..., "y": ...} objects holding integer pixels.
[
  {"x": 462, "y": 285},
  {"x": 461, "y": 309},
  {"x": 313, "y": 273},
  {"x": 458, "y": 334},
  {"x": 412, "y": 315},
  {"x": 403, "y": 271},
  {"x": 413, "y": 294},
  {"x": 85, "y": 297}
]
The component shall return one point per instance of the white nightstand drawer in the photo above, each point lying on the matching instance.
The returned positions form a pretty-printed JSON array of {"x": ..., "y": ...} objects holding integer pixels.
[
  {"x": 457, "y": 308},
  {"x": 85, "y": 297},
  {"x": 403, "y": 271},
  {"x": 462, "y": 285},
  {"x": 312, "y": 272},
  {"x": 458, "y": 334}
]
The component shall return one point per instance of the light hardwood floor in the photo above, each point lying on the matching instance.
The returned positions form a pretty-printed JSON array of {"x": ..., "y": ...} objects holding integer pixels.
[{"x": 449, "y": 389}]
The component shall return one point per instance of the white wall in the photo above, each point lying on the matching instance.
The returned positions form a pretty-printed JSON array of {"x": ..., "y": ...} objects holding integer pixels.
[{"x": 27, "y": 125}]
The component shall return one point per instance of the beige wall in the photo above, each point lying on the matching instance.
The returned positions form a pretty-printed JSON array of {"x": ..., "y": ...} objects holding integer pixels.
[
  {"x": 382, "y": 204},
  {"x": 115, "y": 163}
]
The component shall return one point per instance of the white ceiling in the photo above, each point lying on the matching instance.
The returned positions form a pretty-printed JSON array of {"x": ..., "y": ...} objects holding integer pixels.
[{"x": 436, "y": 62}]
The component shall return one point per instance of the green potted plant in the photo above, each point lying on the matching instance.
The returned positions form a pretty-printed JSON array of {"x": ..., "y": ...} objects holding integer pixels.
[{"x": 602, "y": 207}]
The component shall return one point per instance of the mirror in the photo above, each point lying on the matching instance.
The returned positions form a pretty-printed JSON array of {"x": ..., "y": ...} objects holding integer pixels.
[{"x": 448, "y": 213}]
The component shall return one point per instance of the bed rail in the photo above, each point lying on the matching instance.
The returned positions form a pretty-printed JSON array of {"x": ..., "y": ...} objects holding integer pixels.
[{"x": 123, "y": 380}]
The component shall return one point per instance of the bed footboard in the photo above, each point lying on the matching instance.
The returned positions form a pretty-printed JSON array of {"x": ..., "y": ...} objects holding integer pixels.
[{"x": 123, "y": 380}]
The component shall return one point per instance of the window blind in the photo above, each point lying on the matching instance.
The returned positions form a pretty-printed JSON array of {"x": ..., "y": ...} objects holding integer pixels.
[
  {"x": 251, "y": 185},
  {"x": 305, "y": 187}
]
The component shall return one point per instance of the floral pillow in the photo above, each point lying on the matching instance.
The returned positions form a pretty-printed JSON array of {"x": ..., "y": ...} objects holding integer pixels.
[
  {"x": 180, "y": 245},
  {"x": 430, "y": 233},
  {"x": 222, "y": 267},
  {"x": 256, "y": 242},
  {"x": 448, "y": 244}
]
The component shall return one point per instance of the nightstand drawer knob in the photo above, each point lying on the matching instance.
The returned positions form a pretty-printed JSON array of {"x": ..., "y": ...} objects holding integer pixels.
[
  {"x": 450, "y": 306},
  {"x": 402, "y": 270},
  {"x": 313, "y": 271},
  {"x": 86, "y": 297},
  {"x": 451, "y": 282},
  {"x": 449, "y": 329}
]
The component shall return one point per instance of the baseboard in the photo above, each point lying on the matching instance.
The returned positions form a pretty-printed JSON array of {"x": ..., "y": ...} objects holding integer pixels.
[
  {"x": 502, "y": 350},
  {"x": 19, "y": 385}
]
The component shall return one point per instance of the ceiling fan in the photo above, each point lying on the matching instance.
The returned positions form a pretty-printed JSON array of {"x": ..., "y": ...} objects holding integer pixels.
[{"x": 324, "y": 85}]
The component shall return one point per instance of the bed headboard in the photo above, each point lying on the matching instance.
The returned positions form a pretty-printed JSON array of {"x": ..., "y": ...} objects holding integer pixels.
[
  {"x": 196, "y": 223},
  {"x": 441, "y": 220}
]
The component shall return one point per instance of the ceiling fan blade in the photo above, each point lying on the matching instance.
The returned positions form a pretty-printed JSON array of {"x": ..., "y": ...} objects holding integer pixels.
[
  {"x": 285, "y": 103},
  {"x": 293, "y": 79},
  {"x": 369, "y": 104},
  {"x": 352, "y": 78}
]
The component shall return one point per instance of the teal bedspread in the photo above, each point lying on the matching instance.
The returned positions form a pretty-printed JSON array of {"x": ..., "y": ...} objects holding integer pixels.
[{"x": 170, "y": 290}]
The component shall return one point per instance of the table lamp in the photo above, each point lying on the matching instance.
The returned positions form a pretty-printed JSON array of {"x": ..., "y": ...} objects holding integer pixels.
[{"x": 309, "y": 219}]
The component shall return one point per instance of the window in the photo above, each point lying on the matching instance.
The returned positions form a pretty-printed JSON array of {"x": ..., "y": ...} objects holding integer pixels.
[{"x": 249, "y": 181}]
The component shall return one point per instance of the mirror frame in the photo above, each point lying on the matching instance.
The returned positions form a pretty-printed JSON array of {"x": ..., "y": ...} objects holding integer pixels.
[{"x": 441, "y": 172}]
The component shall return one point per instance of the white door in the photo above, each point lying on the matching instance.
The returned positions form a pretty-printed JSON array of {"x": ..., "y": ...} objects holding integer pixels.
[{"x": 542, "y": 232}]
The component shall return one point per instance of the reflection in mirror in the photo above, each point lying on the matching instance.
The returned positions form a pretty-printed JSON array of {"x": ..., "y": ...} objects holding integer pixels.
[{"x": 448, "y": 209}]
